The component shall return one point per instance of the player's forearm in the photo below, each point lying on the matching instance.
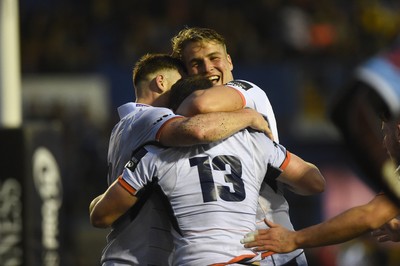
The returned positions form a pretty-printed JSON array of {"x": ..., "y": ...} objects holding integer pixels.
[
  {"x": 111, "y": 205},
  {"x": 311, "y": 183},
  {"x": 302, "y": 177},
  {"x": 344, "y": 227},
  {"x": 103, "y": 217},
  {"x": 215, "y": 99},
  {"x": 207, "y": 128}
]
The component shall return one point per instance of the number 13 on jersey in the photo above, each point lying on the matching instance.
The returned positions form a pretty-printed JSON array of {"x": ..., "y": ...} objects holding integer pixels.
[{"x": 209, "y": 189}]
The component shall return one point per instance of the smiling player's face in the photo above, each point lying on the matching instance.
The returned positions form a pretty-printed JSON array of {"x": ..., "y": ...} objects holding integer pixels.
[{"x": 208, "y": 59}]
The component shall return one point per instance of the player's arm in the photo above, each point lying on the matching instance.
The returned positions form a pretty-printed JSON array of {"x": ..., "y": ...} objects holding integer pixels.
[
  {"x": 302, "y": 177},
  {"x": 108, "y": 207},
  {"x": 389, "y": 231},
  {"x": 94, "y": 202},
  {"x": 343, "y": 227},
  {"x": 215, "y": 99},
  {"x": 207, "y": 128}
]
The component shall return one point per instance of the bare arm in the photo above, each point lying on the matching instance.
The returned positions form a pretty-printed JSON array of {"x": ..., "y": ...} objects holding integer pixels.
[
  {"x": 108, "y": 207},
  {"x": 302, "y": 177},
  {"x": 216, "y": 99},
  {"x": 207, "y": 128},
  {"x": 347, "y": 225},
  {"x": 94, "y": 202}
]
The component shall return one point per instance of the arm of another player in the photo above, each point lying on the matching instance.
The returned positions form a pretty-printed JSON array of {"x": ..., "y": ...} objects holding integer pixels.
[
  {"x": 108, "y": 207},
  {"x": 215, "y": 99},
  {"x": 207, "y": 128},
  {"x": 343, "y": 227},
  {"x": 302, "y": 177}
]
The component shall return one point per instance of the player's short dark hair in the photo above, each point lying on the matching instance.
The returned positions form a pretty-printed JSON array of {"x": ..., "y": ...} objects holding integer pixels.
[
  {"x": 195, "y": 34},
  {"x": 151, "y": 63},
  {"x": 184, "y": 87}
]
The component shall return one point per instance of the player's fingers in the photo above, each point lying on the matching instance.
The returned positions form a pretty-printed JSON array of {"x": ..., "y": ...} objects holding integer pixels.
[
  {"x": 255, "y": 244},
  {"x": 383, "y": 238},
  {"x": 269, "y": 223},
  {"x": 261, "y": 248},
  {"x": 249, "y": 237},
  {"x": 378, "y": 232},
  {"x": 264, "y": 248}
]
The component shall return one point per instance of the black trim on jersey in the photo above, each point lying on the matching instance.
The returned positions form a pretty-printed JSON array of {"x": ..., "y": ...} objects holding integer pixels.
[
  {"x": 142, "y": 196},
  {"x": 136, "y": 156},
  {"x": 131, "y": 214},
  {"x": 137, "y": 152},
  {"x": 292, "y": 262},
  {"x": 152, "y": 187},
  {"x": 168, "y": 207},
  {"x": 271, "y": 176},
  {"x": 144, "y": 193},
  {"x": 240, "y": 83}
]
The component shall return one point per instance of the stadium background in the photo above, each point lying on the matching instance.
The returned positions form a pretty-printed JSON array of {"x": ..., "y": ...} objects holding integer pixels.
[{"x": 76, "y": 62}]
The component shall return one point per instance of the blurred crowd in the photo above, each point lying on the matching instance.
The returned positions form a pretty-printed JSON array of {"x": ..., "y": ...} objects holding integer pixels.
[
  {"x": 71, "y": 36},
  {"x": 323, "y": 39}
]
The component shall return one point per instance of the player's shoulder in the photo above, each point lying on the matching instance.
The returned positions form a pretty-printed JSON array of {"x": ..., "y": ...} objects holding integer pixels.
[
  {"x": 241, "y": 84},
  {"x": 141, "y": 113},
  {"x": 149, "y": 150}
]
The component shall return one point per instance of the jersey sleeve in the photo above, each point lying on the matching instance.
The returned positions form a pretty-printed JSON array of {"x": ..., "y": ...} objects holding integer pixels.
[
  {"x": 255, "y": 98},
  {"x": 138, "y": 172},
  {"x": 276, "y": 162},
  {"x": 154, "y": 119},
  {"x": 280, "y": 158}
]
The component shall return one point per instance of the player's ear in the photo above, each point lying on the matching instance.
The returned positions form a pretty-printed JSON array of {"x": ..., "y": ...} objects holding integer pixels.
[
  {"x": 160, "y": 83},
  {"x": 229, "y": 59}
]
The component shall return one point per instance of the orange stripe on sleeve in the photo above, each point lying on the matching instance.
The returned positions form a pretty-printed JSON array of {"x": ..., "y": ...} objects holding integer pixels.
[
  {"x": 286, "y": 161},
  {"x": 126, "y": 186},
  {"x": 158, "y": 135}
]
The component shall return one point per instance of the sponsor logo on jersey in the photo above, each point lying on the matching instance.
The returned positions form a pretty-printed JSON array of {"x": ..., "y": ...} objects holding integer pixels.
[
  {"x": 131, "y": 165},
  {"x": 240, "y": 84},
  {"x": 137, "y": 155}
]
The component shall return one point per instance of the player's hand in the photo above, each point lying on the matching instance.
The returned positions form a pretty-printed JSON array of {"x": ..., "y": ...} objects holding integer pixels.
[
  {"x": 388, "y": 232},
  {"x": 260, "y": 123},
  {"x": 277, "y": 239}
]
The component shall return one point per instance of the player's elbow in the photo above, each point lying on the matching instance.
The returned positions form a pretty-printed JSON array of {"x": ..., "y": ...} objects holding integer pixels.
[
  {"x": 201, "y": 106},
  {"x": 202, "y": 135},
  {"x": 318, "y": 184},
  {"x": 314, "y": 183},
  {"x": 99, "y": 221},
  {"x": 195, "y": 104}
]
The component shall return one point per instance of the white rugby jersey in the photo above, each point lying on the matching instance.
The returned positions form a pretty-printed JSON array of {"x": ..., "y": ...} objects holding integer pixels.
[
  {"x": 272, "y": 203},
  {"x": 139, "y": 124},
  {"x": 255, "y": 98},
  {"x": 213, "y": 191}
]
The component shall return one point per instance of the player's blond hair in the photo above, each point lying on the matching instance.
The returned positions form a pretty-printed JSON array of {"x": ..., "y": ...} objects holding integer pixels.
[{"x": 195, "y": 34}]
